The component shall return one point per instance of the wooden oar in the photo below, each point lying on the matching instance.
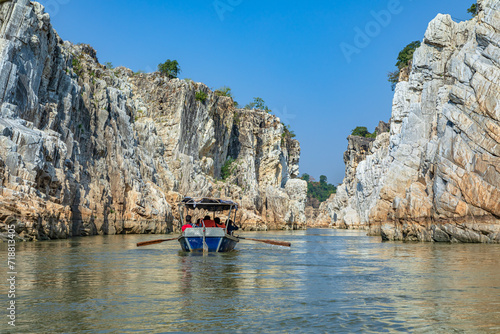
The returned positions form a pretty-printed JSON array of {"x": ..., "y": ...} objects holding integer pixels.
[
  {"x": 153, "y": 242},
  {"x": 271, "y": 242}
]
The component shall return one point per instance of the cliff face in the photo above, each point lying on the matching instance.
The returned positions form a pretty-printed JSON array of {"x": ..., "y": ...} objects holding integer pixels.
[
  {"x": 436, "y": 177},
  {"x": 88, "y": 150},
  {"x": 320, "y": 217},
  {"x": 354, "y": 195}
]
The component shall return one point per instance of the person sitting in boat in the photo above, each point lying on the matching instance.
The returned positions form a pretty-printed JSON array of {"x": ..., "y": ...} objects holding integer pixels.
[
  {"x": 231, "y": 227},
  {"x": 188, "y": 223},
  {"x": 198, "y": 223},
  {"x": 207, "y": 222},
  {"x": 218, "y": 223}
]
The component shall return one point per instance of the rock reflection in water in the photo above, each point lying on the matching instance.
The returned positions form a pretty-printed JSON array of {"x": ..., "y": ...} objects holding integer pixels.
[{"x": 329, "y": 281}]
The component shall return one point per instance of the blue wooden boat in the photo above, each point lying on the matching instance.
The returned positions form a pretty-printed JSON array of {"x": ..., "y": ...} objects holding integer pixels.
[
  {"x": 209, "y": 235},
  {"x": 206, "y": 237},
  {"x": 210, "y": 239}
]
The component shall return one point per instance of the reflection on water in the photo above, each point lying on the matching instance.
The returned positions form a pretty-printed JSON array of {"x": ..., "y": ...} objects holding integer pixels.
[{"x": 329, "y": 281}]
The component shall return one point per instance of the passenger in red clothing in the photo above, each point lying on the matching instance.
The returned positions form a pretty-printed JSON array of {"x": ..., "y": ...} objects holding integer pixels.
[
  {"x": 208, "y": 223},
  {"x": 218, "y": 223},
  {"x": 188, "y": 223}
]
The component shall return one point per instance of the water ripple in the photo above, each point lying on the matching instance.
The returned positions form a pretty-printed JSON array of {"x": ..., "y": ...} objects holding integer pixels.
[{"x": 329, "y": 281}]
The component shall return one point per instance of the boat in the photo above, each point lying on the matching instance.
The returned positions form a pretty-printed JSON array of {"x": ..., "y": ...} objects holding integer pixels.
[{"x": 208, "y": 237}]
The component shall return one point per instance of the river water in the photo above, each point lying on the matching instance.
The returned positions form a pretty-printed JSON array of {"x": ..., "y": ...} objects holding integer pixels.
[{"x": 330, "y": 281}]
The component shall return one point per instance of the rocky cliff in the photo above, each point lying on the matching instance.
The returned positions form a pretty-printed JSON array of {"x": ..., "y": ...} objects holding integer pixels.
[
  {"x": 88, "y": 150},
  {"x": 320, "y": 217},
  {"x": 436, "y": 175}
]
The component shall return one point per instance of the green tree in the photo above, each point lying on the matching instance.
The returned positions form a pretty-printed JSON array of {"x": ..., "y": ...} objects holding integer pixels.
[
  {"x": 393, "y": 78},
  {"x": 406, "y": 55},
  {"x": 224, "y": 91},
  {"x": 360, "y": 131},
  {"x": 287, "y": 133},
  {"x": 258, "y": 103},
  {"x": 201, "y": 96},
  {"x": 226, "y": 170},
  {"x": 472, "y": 10},
  {"x": 404, "y": 58},
  {"x": 170, "y": 68},
  {"x": 318, "y": 191}
]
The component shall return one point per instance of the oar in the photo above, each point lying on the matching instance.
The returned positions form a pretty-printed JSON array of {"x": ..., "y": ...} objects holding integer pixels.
[
  {"x": 153, "y": 242},
  {"x": 271, "y": 242}
]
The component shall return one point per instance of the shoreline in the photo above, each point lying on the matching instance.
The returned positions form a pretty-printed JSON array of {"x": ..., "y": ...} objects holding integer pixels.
[{"x": 449, "y": 232}]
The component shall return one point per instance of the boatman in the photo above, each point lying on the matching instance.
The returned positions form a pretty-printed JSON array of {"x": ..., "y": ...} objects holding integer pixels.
[{"x": 231, "y": 227}]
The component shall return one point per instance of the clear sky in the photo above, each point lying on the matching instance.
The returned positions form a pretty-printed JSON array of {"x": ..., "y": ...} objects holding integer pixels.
[{"x": 306, "y": 59}]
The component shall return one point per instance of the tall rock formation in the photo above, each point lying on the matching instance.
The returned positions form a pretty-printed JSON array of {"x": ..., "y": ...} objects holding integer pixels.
[
  {"x": 436, "y": 176},
  {"x": 88, "y": 150}
]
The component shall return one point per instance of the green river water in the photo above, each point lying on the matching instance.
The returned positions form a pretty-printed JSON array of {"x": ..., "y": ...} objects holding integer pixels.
[{"x": 330, "y": 281}]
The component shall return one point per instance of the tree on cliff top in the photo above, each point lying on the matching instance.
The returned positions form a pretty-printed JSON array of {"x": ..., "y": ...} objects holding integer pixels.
[
  {"x": 362, "y": 131},
  {"x": 472, "y": 10},
  {"x": 406, "y": 55},
  {"x": 258, "y": 103},
  {"x": 318, "y": 192},
  {"x": 287, "y": 133},
  {"x": 224, "y": 91},
  {"x": 404, "y": 58},
  {"x": 170, "y": 68}
]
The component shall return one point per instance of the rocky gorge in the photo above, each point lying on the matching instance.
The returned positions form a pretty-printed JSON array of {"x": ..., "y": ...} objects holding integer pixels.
[
  {"x": 86, "y": 149},
  {"x": 436, "y": 175}
]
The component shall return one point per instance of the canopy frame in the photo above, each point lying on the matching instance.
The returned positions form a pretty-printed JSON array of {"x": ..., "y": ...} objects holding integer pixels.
[{"x": 209, "y": 204}]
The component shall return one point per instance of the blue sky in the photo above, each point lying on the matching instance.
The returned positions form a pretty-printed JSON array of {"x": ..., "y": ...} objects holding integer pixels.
[{"x": 290, "y": 53}]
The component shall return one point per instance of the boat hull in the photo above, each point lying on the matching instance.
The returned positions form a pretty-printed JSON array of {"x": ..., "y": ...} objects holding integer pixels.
[{"x": 216, "y": 240}]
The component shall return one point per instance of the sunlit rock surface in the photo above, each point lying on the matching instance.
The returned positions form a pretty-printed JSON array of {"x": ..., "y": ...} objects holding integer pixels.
[
  {"x": 87, "y": 150},
  {"x": 436, "y": 176}
]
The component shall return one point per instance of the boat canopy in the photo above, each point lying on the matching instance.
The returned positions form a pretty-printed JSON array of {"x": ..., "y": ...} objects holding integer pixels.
[{"x": 210, "y": 204}]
